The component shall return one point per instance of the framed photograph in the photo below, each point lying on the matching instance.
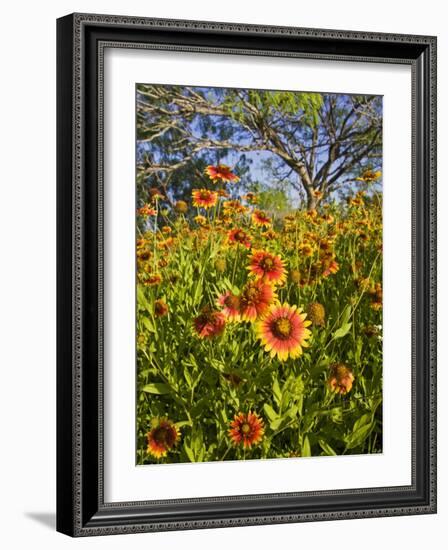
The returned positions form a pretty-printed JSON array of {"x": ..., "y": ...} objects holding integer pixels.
[{"x": 246, "y": 274}]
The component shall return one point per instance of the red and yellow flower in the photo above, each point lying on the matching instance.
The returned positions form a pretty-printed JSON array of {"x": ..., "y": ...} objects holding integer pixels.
[
  {"x": 160, "y": 308},
  {"x": 162, "y": 437},
  {"x": 204, "y": 198},
  {"x": 267, "y": 267},
  {"x": 341, "y": 378},
  {"x": 153, "y": 280},
  {"x": 251, "y": 198},
  {"x": 283, "y": 331},
  {"x": 330, "y": 268},
  {"x": 200, "y": 220},
  {"x": 239, "y": 236},
  {"x": 261, "y": 219},
  {"x": 368, "y": 176},
  {"x": 255, "y": 300},
  {"x": 209, "y": 323},
  {"x": 147, "y": 210},
  {"x": 230, "y": 304},
  {"x": 221, "y": 172},
  {"x": 234, "y": 207},
  {"x": 246, "y": 429}
]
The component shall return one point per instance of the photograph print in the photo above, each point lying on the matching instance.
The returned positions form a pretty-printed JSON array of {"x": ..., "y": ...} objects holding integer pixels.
[{"x": 258, "y": 274}]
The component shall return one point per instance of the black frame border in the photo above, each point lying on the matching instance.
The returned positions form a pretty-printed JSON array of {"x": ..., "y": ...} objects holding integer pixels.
[{"x": 81, "y": 40}]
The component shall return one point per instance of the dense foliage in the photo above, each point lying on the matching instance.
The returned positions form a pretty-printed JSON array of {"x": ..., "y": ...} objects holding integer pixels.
[{"x": 258, "y": 332}]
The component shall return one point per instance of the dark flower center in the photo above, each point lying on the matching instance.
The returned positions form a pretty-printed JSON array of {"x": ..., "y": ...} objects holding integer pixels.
[
  {"x": 232, "y": 301},
  {"x": 282, "y": 328},
  {"x": 267, "y": 263},
  {"x": 164, "y": 435},
  {"x": 251, "y": 294}
]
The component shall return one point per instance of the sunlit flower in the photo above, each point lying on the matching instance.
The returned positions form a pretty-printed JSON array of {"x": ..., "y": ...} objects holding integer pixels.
[
  {"x": 269, "y": 235},
  {"x": 239, "y": 236},
  {"x": 266, "y": 266},
  {"x": 166, "y": 243},
  {"x": 295, "y": 276},
  {"x": 200, "y": 220},
  {"x": 328, "y": 217},
  {"x": 330, "y": 268},
  {"x": 376, "y": 297},
  {"x": 209, "y": 323},
  {"x": 181, "y": 207},
  {"x": 163, "y": 262},
  {"x": 204, "y": 198},
  {"x": 261, "y": 219},
  {"x": 233, "y": 207},
  {"x": 283, "y": 331},
  {"x": 221, "y": 172},
  {"x": 341, "y": 378},
  {"x": 143, "y": 254},
  {"x": 368, "y": 176},
  {"x": 156, "y": 194},
  {"x": 160, "y": 308},
  {"x": 146, "y": 211},
  {"x": 230, "y": 305},
  {"x": 251, "y": 198},
  {"x": 162, "y": 437},
  {"x": 316, "y": 314},
  {"x": 246, "y": 429},
  {"x": 371, "y": 330},
  {"x": 153, "y": 280},
  {"x": 223, "y": 193},
  {"x": 306, "y": 249},
  {"x": 255, "y": 299}
]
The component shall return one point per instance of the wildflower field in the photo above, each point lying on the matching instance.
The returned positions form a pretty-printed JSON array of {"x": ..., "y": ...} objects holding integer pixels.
[{"x": 259, "y": 309}]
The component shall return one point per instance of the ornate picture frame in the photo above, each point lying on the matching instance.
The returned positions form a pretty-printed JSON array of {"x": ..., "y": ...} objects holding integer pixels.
[{"x": 81, "y": 506}]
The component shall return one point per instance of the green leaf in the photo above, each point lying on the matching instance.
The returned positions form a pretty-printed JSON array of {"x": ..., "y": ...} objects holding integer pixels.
[
  {"x": 346, "y": 315},
  {"x": 189, "y": 453},
  {"x": 148, "y": 324},
  {"x": 277, "y": 392},
  {"x": 158, "y": 388},
  {"x": 361, "y": 431},
  {"x": 342, "y": 331},
  {"x": 328, "y": 450},
  {"x": 275, "y": 424},
  {"x": 306, "y": 447},
  {"x": 270, "y": 413}
]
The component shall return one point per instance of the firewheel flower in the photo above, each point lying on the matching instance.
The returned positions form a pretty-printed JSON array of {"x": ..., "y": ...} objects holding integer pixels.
[
  {"x": 221, "y": 172},
  {"x": 267, "y": 267},
  {"x": 239, "y": 236},
  {"x": 230, "y": 304},
  {"x": 162, "y": 437},
  {"x": 160, "y": 308},
  {"x": 147, "y": 210},
  {"x": 283, "y": 331},
  {"x": 316, "y": 314},
  {"x": 255, "y": 299},
  {"x": 368, "y": 176},
  {"x": 209, "y": 323},
  {"x": 204, "y": 198},
  {"x": 341, "y": 378},
  {"x": 261, "y": 218},
  {"x": 246, "y": 429}
]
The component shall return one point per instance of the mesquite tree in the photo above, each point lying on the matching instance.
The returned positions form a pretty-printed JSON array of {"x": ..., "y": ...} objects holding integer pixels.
[{"x": 317, "y": 141}]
